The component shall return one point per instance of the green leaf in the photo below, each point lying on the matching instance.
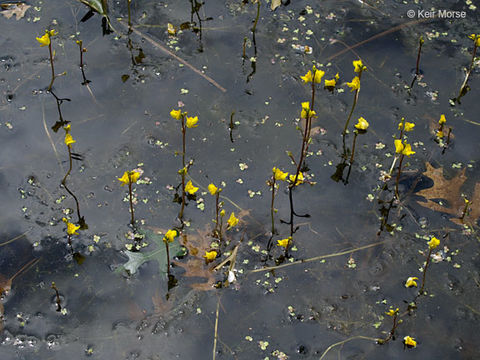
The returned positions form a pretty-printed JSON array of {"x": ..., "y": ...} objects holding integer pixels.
[{"x": 137, "y": 259}]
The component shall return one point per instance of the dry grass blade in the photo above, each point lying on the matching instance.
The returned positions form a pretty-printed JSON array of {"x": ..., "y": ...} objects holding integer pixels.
[
  {"x": 383, "y": 33},
  {"x": 50, "y": 138},
  {"x": 216, "y": 331},
  {"x": 179, "y": 59},
  {"x": 316, "y": 258},
  {"x": 345, "y": 341}
]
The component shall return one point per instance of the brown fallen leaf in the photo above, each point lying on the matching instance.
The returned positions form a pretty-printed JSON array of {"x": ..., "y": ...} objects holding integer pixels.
[
  {"x": 197, "y": 244},
  {"x": 16, "y": 9},
  {"x": 449, "y": 196}
]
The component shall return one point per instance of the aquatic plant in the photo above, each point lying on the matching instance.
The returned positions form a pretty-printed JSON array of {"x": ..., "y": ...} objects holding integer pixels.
[
  {"x": 69, "y": 141},
  {"x": 82, "y": 65},
  {"x": 215, "y": 191},
  {"x": 402, "y": 149},
  {"x": 129, "y": 178},
  {"x": 169, "y": 237},
  {"x": 272, "y": 183},
  {"x": 464, "y": 88},
  {"x": 360, "y": 128},
  {"x": 354, "y": 85},
  {"x": 421, "y": 41},
  {"x": 45, "y": 40},
  {"x": 186, "y": 122}
]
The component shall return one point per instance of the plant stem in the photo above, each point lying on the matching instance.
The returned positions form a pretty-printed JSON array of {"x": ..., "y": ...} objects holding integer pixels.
[
  {"x": 355, "y": 99},
  {"x": 132, "y": 220},
  {"x": 353, "y": 147},
  {"x": 417, "y": 70},
  {"x": 51, "y": 66},
  {"x": 180, "y": 215},
  {"x": 398, "y": 176},
  {"x": 272, "y": 209},
  {"x": 425, "y": 268},
  {"x": 257, "y": 17},
  {"x": 168, "y": 257}
]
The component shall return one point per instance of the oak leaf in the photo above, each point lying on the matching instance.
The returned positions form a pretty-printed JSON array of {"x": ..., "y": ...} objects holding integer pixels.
[
  {"x": 445, "y": 195},
  {"x": 16, "y": 9}
]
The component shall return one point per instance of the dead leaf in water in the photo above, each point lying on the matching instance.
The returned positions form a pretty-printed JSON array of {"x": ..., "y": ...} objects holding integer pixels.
[
  {"x": 197, "y": 244},
  {"x": 446, "y": 195},
  {"x": 16, "y": 9}
]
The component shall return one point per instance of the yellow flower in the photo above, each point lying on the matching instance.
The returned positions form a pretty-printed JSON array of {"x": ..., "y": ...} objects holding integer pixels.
[
  {"x": 440, "y": 134},
  {"x": 44, "y": 40},
  {"x": 407, "y": 150},
  {"x": 71, "y": 228},
  {"x": 362, "y": 124},
  {"x": 300, "y": 178},
  {"x": 170, "y": 235},
  {"x": 337, "y": 76},
  {"x": 192, "y": 122},
  {"x": 354, "y": 84},
  {"x": 222, "y": 213},
  {"x": 442, "y": 119},
  {"x": 330, "y": 83},
  {"x": 189, "y": 188},
  {"x": 212, "y": 189},
  {"x": 433, "y": 243},
  {"x": 408, "y": 126},
  {"x": 67, "y": 128},
  {"x": 232, "y": 220},
  {"x": 279, "y": 174},
  {"x": 411, "y": 282},
  {"x": 284, "y": 242},
  {"x": 475, "y": 38},
  {"x": 409, "y": 342},
  {"x": 318, "y": 75},
  {"x": 307, "y": 77},
  {"x": 398, "y": 146},
  {"x": 176, "y": 114},
  {"x": 171, "y": 29},
  {"x": 306, "y": 110},
  {"x": 358, "y": 65},
  {"x": 392, "y": 312},
  {"x": 210, "y": 255},
  {"x": 69, "y": 139},
  {"x": 129, "y": 177},
  {"x": 51, "y": 33}
]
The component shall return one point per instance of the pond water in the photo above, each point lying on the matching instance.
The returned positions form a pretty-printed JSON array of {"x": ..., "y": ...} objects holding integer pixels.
[{"x": 119, "y": 304}]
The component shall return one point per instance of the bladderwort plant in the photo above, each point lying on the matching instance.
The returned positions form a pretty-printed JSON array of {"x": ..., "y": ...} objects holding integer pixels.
[
  {"x": 421, "y": 41},
  {"x": 169, "y": 237},
  {"x": 440, "y": 133},
  {"x": 464, "y": 88},
  {"x": 278, "y": 175},
  {"x": 82, "y": 65},
  {"x": 69, "y": 141},
  {"x": 307, "y": 114},
  {"x": 354, "y": 85},
  {"x": 187, "y": 122},
  {"x": 45, "y": 40},
  {"x": 402, "y": 149},
  {"x": 215, "y": 191},
  {"x": 129, "y": 178}
]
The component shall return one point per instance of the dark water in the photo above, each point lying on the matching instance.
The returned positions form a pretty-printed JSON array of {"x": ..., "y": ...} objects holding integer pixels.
[{"x": 123, "y": 123}]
